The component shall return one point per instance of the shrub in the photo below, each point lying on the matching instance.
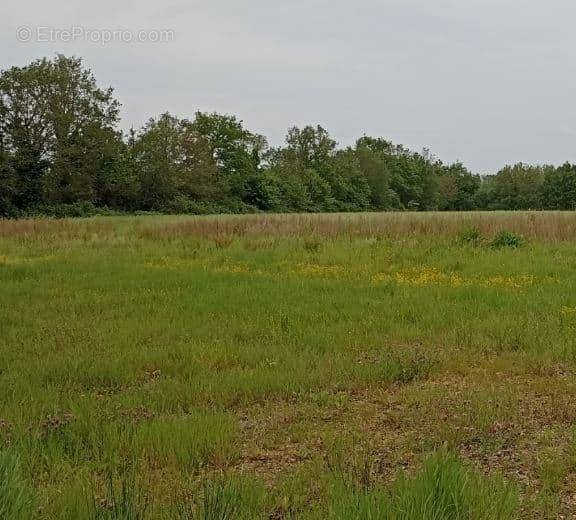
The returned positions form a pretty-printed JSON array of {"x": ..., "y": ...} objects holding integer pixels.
[
  {"x": 7, "y": 209},
  {"x": 507, "y": 239},
  {"x": 183, "y": 205},
  {"x": 76, "y": 209}
]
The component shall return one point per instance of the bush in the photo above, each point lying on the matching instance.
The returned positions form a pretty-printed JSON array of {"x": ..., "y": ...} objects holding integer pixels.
[
  {"x": 183, "y": 205},
  {"x": 76, "y": 209},
  {"x": 507, "y": 239},
  {"x": 7, "y": 209}
]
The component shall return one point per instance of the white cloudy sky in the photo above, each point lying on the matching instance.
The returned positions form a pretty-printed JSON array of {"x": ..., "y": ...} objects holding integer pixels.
[{"x": 487, "y": 82}]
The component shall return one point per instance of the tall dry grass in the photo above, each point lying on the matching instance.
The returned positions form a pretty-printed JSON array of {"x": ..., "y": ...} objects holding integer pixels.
[{"x": 542, "y": 227}]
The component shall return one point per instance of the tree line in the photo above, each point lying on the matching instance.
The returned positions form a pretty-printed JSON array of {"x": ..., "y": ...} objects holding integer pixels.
[{"x": 62, "y": 153}]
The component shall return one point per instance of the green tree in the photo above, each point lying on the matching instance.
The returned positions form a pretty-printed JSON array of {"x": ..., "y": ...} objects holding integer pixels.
[
  {"x": 349, "y": 185},
  {"x": 265, "y": 192},
  {"x": 174, "y": 162},
  {"x": 559, "y": 188},
  {"x": 371, "y": 155},
  {"x": 117, "y": 179},
  {"x": 8, "y": 186},
  {"x": 56, "y": 121},
  {"x": 518, "y": 187},
  {"x": 457, "y": 188},
  {"x": 305, "y": 167},
  {"x": 310, "y": 148},
  {"x": 237, "y": 151},
  {"x": 400, "y": 178}
]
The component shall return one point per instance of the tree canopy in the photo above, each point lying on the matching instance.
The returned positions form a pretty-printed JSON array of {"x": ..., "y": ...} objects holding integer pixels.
[{"x": 61, "y": 152}]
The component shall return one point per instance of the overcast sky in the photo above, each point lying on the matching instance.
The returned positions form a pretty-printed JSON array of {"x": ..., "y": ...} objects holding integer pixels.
[{"x": 487, "y": 82}]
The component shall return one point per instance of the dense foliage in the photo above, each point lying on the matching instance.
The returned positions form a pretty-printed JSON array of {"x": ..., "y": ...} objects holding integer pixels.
[{"x": 61, "y": 153}]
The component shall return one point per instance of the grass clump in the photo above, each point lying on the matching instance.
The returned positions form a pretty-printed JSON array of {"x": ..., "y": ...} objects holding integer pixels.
[
  {"x": 223, "y": 498},
  {"x": 471, "y": 236},
  {"x": 116, "y": 493},
  {"x": 507, "y": 239},
  {"x": 123, "y": 500},
  {"x": 16, "y": 498},
  {"x": 444, "y": 489},
  {"x": 187, "y": 441}
]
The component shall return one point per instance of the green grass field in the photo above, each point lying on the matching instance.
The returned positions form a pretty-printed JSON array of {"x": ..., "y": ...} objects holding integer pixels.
[{"x": 341, "y": 366}]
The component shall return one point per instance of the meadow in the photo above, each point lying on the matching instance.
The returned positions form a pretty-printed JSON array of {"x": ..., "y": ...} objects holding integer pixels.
[{"x": 394, "y": 365}]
